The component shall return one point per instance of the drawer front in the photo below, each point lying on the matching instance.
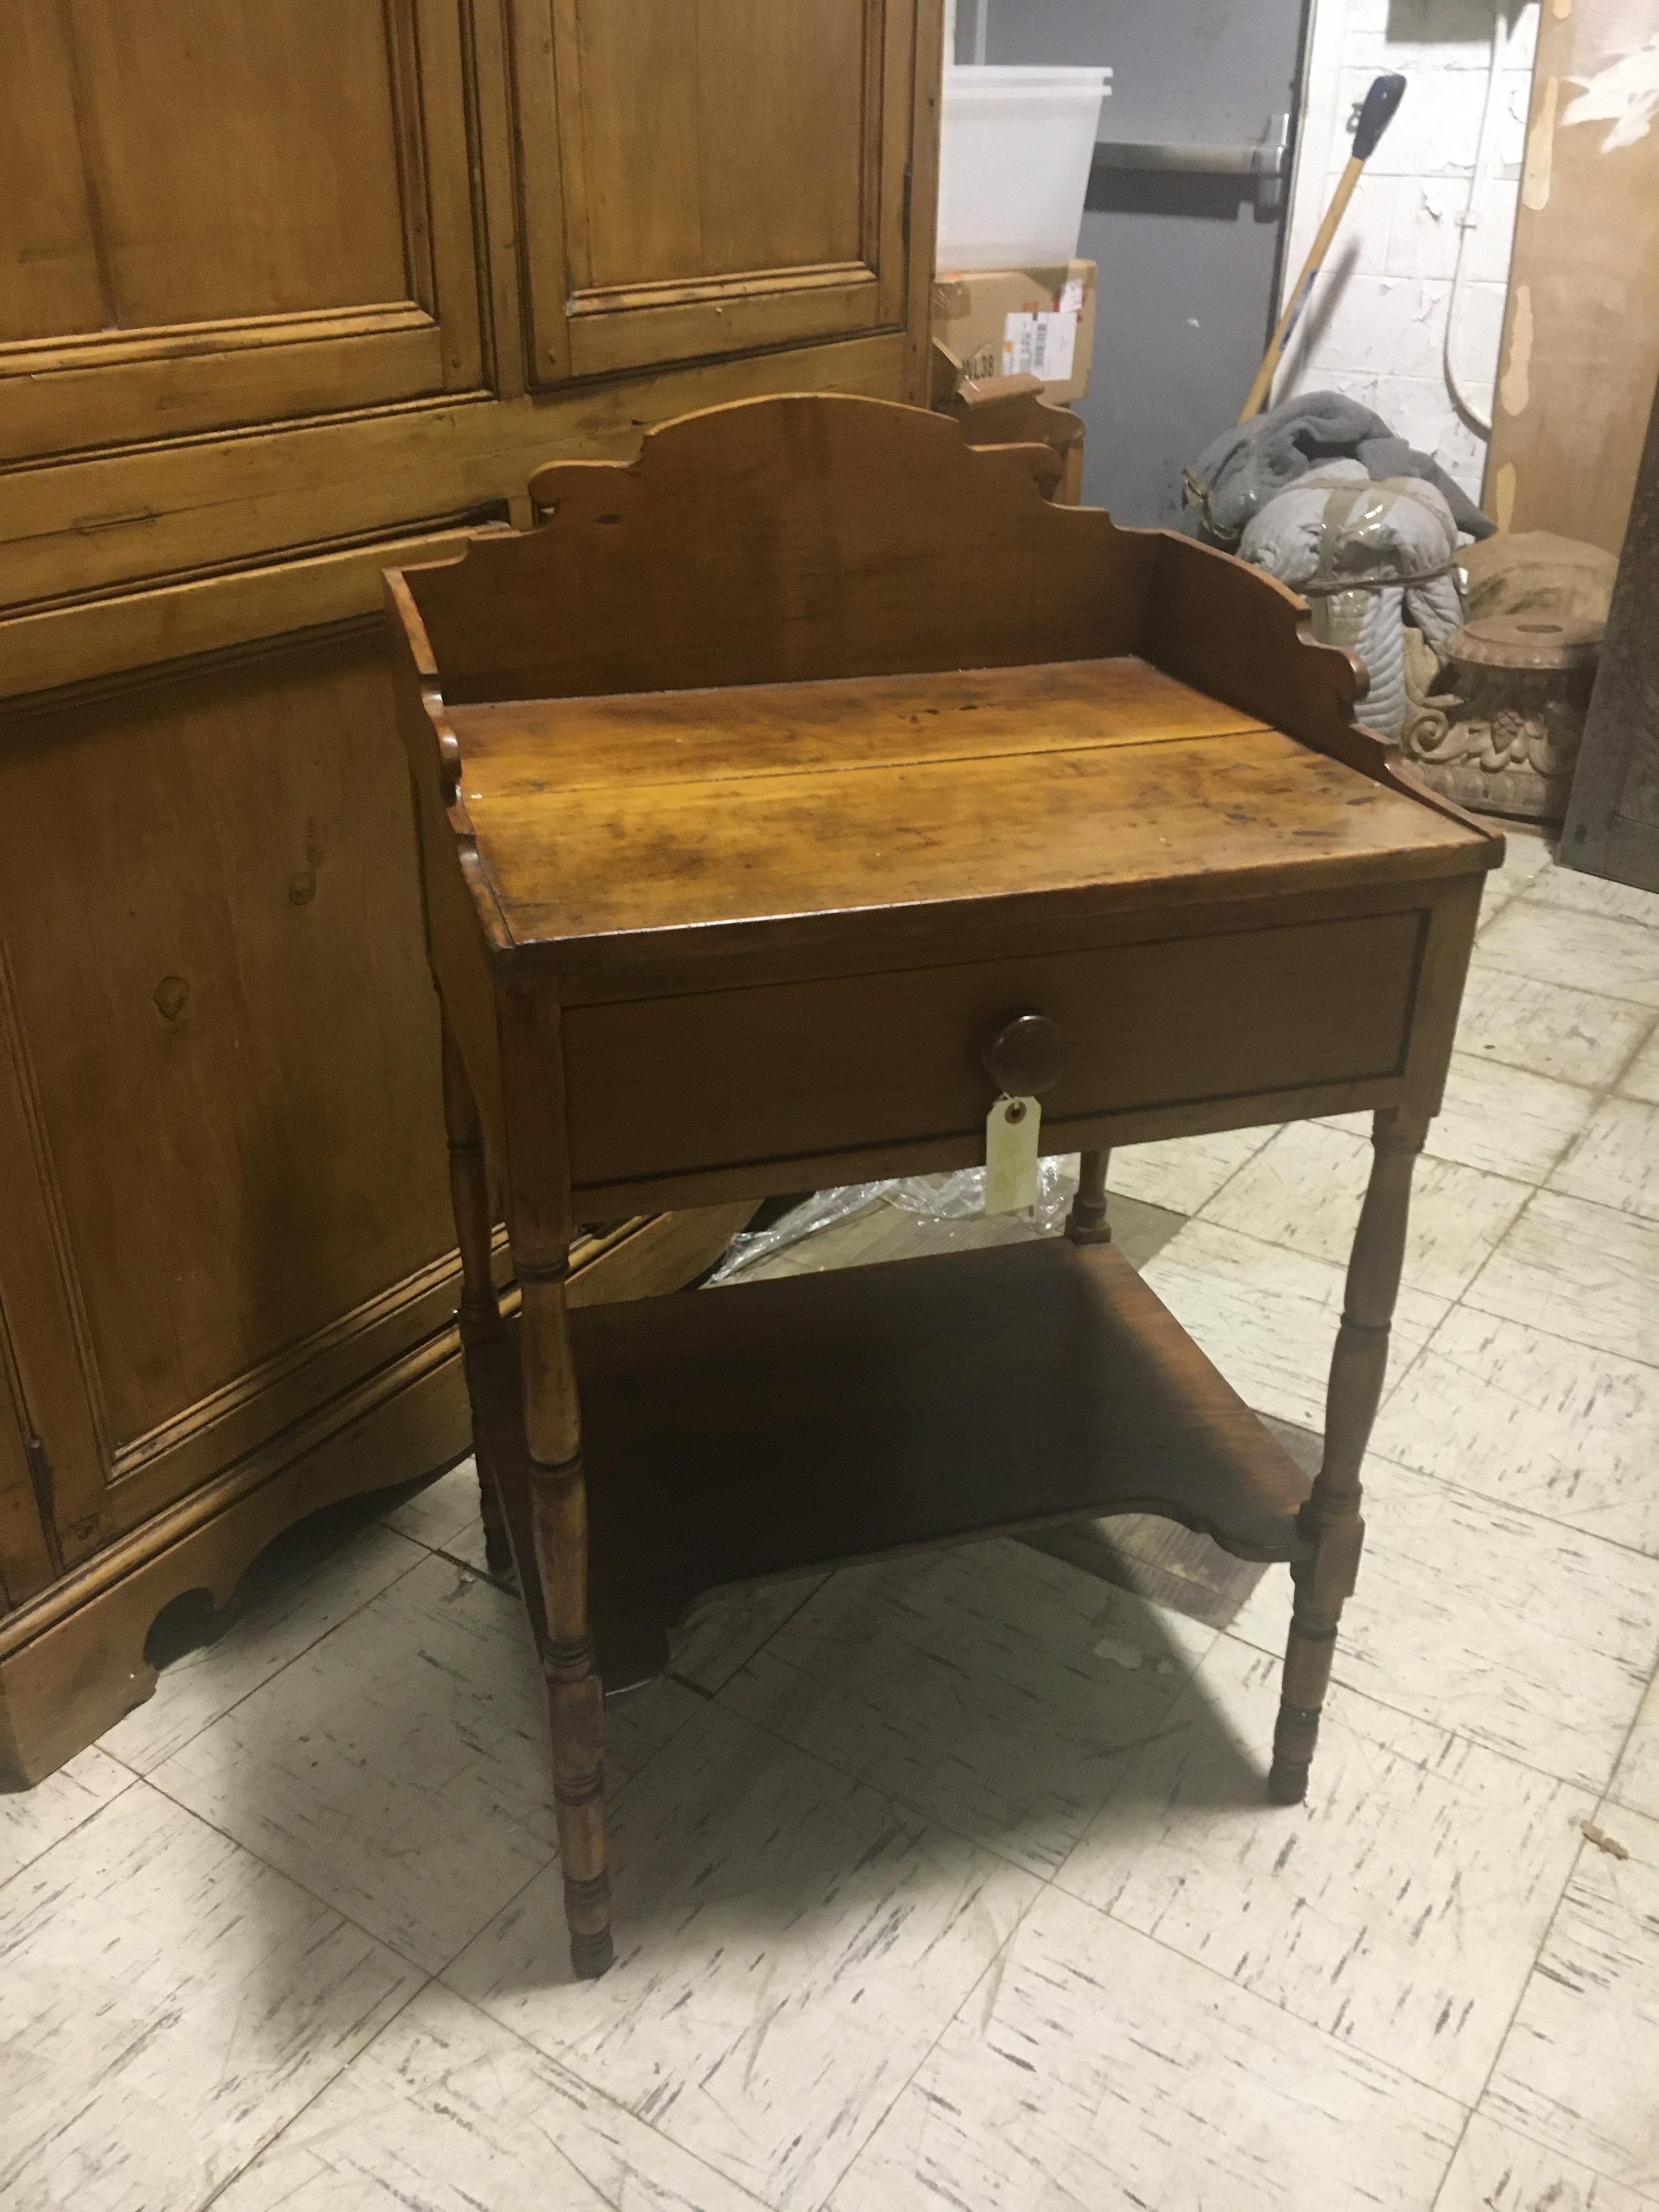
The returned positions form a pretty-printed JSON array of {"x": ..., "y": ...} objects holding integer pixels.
[{"x": 720, "y": 1078}]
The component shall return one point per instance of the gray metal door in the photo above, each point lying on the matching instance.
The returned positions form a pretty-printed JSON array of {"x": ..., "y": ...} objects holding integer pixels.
[{"x": 1185, "y": 215}]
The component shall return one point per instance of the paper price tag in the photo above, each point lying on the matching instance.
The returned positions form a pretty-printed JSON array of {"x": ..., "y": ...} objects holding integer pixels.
[{"x": 1011, "y": 1155}]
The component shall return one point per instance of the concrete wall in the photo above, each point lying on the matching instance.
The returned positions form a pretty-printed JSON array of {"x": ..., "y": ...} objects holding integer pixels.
[{"x": 1375, "y": 327}]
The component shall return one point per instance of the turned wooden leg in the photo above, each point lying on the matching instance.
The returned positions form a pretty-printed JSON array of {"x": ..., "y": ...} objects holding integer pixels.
[
  {"x": 480, "y": 1314},
  {"x": 559, "y": 1505},
  {"x": 1087, "y": 1222},
  {"x": 1330, "y": 1519}
]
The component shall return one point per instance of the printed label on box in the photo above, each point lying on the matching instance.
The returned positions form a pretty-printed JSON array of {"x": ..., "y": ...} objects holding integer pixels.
[{"x": 1040, "y": 345}]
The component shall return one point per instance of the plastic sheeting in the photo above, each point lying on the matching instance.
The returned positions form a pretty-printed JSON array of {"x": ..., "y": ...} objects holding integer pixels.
[
  {"x": 941, "y": 1198},
  {"x": 1370, "y": 558}
]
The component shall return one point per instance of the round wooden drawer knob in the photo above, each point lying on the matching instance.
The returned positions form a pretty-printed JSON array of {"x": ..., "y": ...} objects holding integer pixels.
[{"x": 1024, "y": 1056}]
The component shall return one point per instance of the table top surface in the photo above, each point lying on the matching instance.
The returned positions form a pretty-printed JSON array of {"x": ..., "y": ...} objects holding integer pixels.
[{"x": 671, "y": 812}]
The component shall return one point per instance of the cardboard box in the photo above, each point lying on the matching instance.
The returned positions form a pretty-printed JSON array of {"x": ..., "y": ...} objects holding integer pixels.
[{"x": 1020, "y": 322}]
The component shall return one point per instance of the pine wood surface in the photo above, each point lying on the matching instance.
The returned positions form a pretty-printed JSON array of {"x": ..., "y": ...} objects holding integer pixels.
[
  {"x": 522, "y": 748},
  {"x": 1055, "y": 806}
]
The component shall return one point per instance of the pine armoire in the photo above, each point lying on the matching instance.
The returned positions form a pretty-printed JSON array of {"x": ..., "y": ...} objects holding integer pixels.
[{"x": 292, "y": 294}]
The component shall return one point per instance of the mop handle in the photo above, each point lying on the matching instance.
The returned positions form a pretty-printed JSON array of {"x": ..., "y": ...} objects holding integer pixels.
[{"x": 1376, "y": 113}]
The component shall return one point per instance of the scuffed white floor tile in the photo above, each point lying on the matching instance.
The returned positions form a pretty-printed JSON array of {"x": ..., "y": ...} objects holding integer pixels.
[
  {"x": 400, "y": 1768},
  {"x": 166, "y": 2004},
  {"x": 1641, "y": 1078},
  {"x": 1528, "y": 856},
  {"x": 725, "y": 1630},
  {"x": 1615, "y": 1161},
  {"x": 193, "y": 1692},
  {"x": 1525, "y": 859},
  {"x": 33, "y": 1820},
  {"x": 1267, "y": 1316},
  {"x": 1180, "y": 1173},
  {"x": 1094, "y": 2070},
  {"x": 1505, "y": 1121},
  {"x": 446, "y": 2112},
  {"x": 1497, "y": 2170},
  {"x": 1579, "y": 2069},
  {"x": 1304, "y": 1190},
  {"x": 1534, "y": 1420},
  {"x": 445, "y": 1513},
  {"x": 1636, "y": 1781},
  {"x": 988, "y": 1685},
  {"x": 1554, "y": 1029},
  {"x": 1495, "y": 896},
  {"x": 789, "y": 1944},
  {"x": 1512, "y": 1630},
  {"x": 1399, "y": 1909},
  {"x": 1577, "y": 1270},
  {"x": 1619, "y": 959},
  {"x": 466, "y": 1548},
  {"x": 1577, "y": 893}
]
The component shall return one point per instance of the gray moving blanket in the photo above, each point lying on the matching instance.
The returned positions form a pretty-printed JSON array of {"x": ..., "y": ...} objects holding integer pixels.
[{"x": 1242, "y": 470}]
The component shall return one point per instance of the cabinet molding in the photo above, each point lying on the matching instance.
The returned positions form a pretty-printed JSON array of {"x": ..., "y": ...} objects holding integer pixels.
[
  {"x": 239, "y": 507},
  {"x": 72, "y": 1661}
]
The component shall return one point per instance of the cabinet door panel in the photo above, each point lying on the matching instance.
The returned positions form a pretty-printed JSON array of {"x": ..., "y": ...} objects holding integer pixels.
[
  {"x": 662, "y": 87},
  {"x": 46, "y": 212},
  {"x": 221, "y": 1009},
  {"x": 304, "y": 243},
  {"x": 706, "y": 176}
]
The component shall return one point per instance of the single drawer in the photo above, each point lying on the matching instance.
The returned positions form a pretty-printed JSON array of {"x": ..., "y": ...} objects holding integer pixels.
[{"x": 720, "y": 1078}]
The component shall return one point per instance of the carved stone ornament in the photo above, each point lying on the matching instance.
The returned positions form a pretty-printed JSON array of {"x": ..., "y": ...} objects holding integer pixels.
[{"x": 1503, "y": 736}]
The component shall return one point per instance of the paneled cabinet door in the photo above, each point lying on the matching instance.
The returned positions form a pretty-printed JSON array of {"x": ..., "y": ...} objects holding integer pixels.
[
  {"x": 217, "y": 212},
  {"x": 705, "y": 177},
  {"x": 223, "y": 1208}
]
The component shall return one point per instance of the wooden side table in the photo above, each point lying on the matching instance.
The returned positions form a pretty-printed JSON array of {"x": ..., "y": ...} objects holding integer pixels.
[{"x": 793, "y": 791}]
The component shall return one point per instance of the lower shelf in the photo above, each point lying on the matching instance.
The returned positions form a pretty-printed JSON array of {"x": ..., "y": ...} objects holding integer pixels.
[{"x": 754, "y": 1430}]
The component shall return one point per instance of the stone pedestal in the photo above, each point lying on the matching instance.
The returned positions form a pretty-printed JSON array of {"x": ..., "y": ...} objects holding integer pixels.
[{"x": 1503, "y": 735}]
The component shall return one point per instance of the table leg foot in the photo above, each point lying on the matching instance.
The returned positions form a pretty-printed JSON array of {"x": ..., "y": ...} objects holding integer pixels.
[
  {"x": 587, "y": 1916},
  {"x": 1294, "y": 1741},
  {"x": 1088, "y": 1222},
  {"x": 592, "y": 1956},
  {"x": 1286, "y": 1785}
]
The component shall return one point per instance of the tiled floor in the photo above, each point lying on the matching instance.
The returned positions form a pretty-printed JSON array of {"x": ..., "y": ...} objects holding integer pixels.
[{"x": 949, "y": 1882}]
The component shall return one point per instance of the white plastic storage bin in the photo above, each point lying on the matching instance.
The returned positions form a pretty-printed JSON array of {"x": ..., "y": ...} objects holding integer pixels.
[{"x": 1014, "y": 157}]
